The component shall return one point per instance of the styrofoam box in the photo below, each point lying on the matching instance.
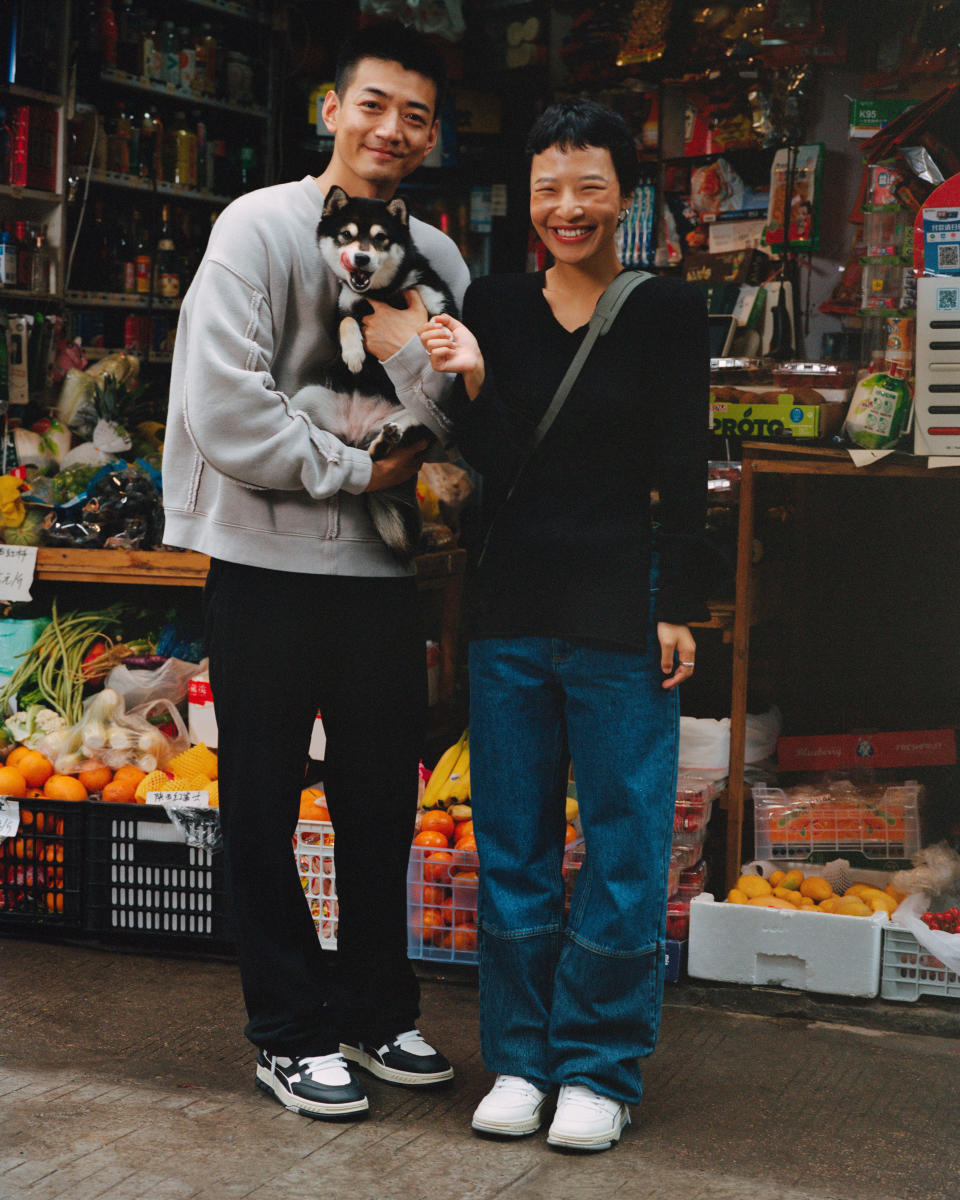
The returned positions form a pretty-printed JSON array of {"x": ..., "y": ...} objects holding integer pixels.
[{"x": 809, "y": 951}]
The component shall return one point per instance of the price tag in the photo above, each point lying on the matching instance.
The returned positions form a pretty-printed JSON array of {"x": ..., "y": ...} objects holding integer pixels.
[
  {"x": 9, "y": 816},
  {"x": 179, "y": 799},
  {"x": 18, "y": 565}
]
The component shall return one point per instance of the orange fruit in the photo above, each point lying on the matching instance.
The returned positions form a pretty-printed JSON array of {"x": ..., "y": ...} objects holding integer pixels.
[
  {"x": 436, "y": 819},
  {"x": 64, "y": 787},
  {"x": 468, "y": 842},
  {"x": 16, "y": 754},
  {"x": 95, "y": 779},
  {"x": 130, "y": 772},
  {"x": 571, "y": 835},
  {"x": 119, "y": 791},
  {"x": 426, "y": 921},
  {"x": 33, "y": 794},
  {"x": 464, "y": 938},
  {"x": 12, "y": 783},
  {"x": 463, "y": 829},
  {"x": 35, "y": 767},
  {"x": 436, "y": 866},
  {"x": 433, "y": 894},
  {"x": 430, "y": 837}
]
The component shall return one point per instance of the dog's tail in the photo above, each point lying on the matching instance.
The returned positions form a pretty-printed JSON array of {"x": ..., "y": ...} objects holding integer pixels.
[{"x": 396, "y": 517}]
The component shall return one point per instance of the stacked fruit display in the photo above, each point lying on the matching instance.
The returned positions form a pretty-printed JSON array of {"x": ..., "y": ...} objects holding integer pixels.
[{"x": 812, "y": 893}]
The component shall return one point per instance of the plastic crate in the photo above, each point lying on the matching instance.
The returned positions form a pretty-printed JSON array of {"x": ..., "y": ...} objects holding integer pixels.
[
  {"x": 41, "y": 867},
  {"x": 144, "y": 884},
  {"x": 878, "y": 823},
  {"x": 692, "y": 881},
  {"x": 678, "y": 919},
  {"x": 442, "y": 902},
  {"x": 313, "y": 848},
  {"x": 908, "y": 971},
  {"x": 692, "y": 812}
]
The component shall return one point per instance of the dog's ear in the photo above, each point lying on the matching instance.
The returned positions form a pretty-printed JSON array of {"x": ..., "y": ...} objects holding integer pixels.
[
  {"x": 336, "y": 199},
  {"x": 397, "y": 208}
]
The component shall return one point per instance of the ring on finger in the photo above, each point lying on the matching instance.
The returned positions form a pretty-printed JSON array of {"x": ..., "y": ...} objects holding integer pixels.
[{"x": 687, "y": 664}]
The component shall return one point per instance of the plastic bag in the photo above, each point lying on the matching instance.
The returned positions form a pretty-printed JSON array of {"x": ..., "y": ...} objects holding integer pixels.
[
  {"x": 705, "y": 743},
  {"x": 944, "y": 946},
  {"x": 155, "y": 733},
  {"x": 169, "y": 682}
]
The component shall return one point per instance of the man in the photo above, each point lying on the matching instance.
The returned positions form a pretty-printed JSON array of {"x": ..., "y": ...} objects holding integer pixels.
[{"x": 305, "y": 607}]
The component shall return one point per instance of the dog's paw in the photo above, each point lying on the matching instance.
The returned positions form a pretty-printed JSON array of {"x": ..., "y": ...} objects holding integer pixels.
[
  {"x": 352, "y": 349},
  {"x": 388, "y": 437}
]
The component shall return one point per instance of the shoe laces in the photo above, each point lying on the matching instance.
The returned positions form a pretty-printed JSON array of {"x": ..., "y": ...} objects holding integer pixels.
[
  {"x": 578, "y": 1093},
  {"x": 314, "y": 1064},
  {"x": 516, "y": 1084},
  {"x": 412, "y": 1039}
]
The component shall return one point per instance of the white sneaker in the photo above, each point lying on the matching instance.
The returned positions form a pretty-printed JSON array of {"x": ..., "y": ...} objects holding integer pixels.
[
  {"x": 511, "y": 1108},
  {"x": 585, "y": 1120}
]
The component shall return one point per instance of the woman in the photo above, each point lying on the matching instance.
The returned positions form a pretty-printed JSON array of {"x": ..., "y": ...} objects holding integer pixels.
[{"x": 577, "y": 648}]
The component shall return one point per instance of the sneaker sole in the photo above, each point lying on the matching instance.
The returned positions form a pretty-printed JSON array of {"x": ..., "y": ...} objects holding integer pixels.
[
  {"x": 391, "y": 1074},
  {"x": 346, "y": 1111},
  {"x": 508, "y": 1129},
  {"x": 575, "y": 1141}
]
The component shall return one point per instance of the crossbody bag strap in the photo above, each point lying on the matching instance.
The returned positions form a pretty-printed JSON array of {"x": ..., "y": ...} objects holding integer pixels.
[{"x": 608, "y": 306}]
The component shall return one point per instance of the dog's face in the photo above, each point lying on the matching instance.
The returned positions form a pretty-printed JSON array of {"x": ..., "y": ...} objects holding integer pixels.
[{"x": 363, "y": 241}]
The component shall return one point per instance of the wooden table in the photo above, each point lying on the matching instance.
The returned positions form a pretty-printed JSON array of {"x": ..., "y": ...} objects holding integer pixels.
[{"x": 768, "y": 459}]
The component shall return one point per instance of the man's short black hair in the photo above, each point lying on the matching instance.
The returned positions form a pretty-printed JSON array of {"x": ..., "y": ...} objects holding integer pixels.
[
  {"x": 391, "y": 41},
  {"x": 577, "y": 123}
]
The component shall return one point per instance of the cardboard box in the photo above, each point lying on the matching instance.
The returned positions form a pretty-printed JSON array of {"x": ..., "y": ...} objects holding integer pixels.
[
  {"x": 912, "y": 748},
  {"x": 785, "y": 418},
  {"x": 676, "y": 960}
]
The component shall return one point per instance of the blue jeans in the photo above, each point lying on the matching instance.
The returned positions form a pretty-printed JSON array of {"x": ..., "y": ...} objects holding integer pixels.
[{"x": 579, "y": 1004}]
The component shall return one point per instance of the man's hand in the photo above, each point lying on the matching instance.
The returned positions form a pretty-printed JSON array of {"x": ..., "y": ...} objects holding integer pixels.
[
  {"x": 397, "y": 466},
  {"x": 386, "y": 329}
]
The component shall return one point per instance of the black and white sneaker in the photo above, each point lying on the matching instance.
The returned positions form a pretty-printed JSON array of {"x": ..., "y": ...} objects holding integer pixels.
[
  {"x": 319, "y": 1086},
  {"x": 405, "y": 1059}
]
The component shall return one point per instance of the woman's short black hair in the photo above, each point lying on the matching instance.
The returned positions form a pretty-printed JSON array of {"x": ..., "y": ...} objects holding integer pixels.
[
  {"x": 577, "y": 123},
  {"x": 391, "y": 41}
]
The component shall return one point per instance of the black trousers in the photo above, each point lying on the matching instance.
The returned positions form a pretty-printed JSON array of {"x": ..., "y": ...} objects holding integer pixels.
[{"x": 282, "y": 645}]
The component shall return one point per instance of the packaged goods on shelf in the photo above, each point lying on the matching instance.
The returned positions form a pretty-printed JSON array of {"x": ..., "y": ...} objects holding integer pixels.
[{"x": 879, "y": 821}]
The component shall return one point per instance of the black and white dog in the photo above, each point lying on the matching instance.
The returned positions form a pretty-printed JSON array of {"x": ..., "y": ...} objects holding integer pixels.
[{"x": 367, "y": 245}]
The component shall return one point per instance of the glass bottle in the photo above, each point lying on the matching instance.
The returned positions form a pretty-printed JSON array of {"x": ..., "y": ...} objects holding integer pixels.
[
  {"x": 125, "y": 261},
  {"x": 152, "y": 53},
  {"x": 184, "y": 152},
  {"x": 128, "y": 37},
  {"x": 248, "y": 165},
  {"x": 151, "y": 146},
  {"x": 108, "y": 31},
  {"x": 166, "y": 265},
  {"x": 40, "y": 281},
  {"x": 24, "y": 255},
  {"x": 143, "y": 258},
  {"x": 170, "y": 53},
  {"x": 187, "y": 58}
]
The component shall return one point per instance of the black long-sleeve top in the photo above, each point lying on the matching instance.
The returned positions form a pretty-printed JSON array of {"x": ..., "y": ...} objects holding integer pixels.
[{"x": 569, "y": 555}]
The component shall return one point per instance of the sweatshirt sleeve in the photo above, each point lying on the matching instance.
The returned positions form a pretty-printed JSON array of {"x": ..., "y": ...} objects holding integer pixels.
[
  {"x": 682, "y": 440},
  {"x": 241, "y": 424},
  {"x": 423, "y": 391}
]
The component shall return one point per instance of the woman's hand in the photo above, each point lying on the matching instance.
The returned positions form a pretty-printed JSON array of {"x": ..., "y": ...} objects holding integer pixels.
[
  {"x": 453, "y": 348},
  {"x": 676, "y": 641}
]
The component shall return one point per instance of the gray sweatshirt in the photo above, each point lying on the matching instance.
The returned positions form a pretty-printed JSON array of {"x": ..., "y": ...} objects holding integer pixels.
[{"x": 248, "y": 476}]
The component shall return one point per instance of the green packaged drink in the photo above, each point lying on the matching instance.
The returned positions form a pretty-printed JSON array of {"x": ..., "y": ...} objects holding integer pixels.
[{"x": 879, "y": 409}]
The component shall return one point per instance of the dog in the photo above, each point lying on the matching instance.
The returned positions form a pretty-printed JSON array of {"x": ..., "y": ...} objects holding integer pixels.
[{"x": 367, "y": 245}]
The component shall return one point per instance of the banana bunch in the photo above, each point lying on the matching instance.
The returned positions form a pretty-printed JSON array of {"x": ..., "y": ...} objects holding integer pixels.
[{"x": 449, "y": 784}]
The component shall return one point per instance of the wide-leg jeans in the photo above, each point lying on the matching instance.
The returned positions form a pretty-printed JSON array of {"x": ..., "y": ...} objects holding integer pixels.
[{"x": 580, "y": 1003}]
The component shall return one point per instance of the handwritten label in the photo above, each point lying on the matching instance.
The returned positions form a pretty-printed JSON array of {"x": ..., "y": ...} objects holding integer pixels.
[
  {"x": 179, "y": 799},
  {"x": 18, "y": 565},
  {"x": 9, "y": 816}
]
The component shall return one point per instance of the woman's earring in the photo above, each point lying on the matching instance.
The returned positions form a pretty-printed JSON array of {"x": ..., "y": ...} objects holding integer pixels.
[{"x": 623, "y": 216}]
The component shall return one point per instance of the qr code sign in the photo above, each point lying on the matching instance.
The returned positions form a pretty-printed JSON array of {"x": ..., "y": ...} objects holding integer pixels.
[
  {"x": 948, "y": 257},
  {"x": 948, "y": 299}
]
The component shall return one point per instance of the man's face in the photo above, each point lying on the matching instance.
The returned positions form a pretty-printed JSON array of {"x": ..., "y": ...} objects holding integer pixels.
[{"x": 383, "y": 125}]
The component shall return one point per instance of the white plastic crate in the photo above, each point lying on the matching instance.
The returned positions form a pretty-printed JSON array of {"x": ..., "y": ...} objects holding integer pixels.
[
  {"x": 879, "y": 823},
  {"x": 909, "y": 971},
  {"x": 313, "y": 849},
  {"x": 793, "y": 948}
]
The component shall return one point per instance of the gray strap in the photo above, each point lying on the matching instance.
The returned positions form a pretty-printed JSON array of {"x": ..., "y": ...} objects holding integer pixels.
[{"x": 604, "y": 315}]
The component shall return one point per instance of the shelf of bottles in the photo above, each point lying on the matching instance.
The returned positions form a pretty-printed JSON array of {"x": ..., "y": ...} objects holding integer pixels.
[
  {"x": 172, "y": 91},
  {"x": 138, "y": 184}
]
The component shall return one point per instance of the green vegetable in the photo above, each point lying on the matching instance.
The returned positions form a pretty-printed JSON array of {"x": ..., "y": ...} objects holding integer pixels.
[{"x": 52, "y": 669}]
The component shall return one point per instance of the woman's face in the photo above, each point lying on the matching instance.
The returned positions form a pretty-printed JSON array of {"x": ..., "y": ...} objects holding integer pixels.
[{"x": 575, "y": 201}]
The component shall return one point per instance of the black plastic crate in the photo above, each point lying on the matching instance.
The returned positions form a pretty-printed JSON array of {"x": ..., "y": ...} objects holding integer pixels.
[
  {"x": 145, "y": 885},
  {"x": 41, "y": 867}
]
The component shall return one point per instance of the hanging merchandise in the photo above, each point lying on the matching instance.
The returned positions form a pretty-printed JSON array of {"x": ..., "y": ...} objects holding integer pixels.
[
  {"x": 646, "y": 37},
  {"x": 795, "y": 187}
]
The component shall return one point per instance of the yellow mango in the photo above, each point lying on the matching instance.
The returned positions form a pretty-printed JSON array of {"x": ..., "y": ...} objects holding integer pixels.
[
  {"x": 815, "y": 887},
  {"x": 857, "y": 889},
  {"x": 735, "y": 896},
  {"x": 785, "y": 893},
  {"x": 769, "y": 901},
  {"x": 828, "y": 904},
  {"x": 753, "y": 885},
  {"x": 851, "y": 906},
  {"x": 892, "y": 891},
  {"x": 881, "y": 903},
  {"x": 776, "y": 878},
  {"x": 807, "y": 904},
  {"x": 792, "y": 880}
]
